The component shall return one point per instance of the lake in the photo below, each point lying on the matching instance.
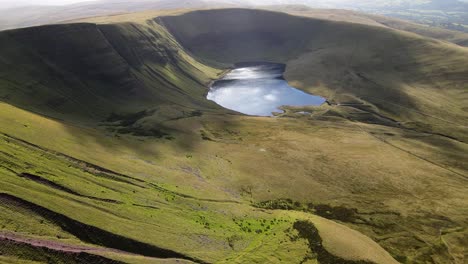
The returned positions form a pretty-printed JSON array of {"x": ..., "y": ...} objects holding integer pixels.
[{"x": 258, "y": 89}]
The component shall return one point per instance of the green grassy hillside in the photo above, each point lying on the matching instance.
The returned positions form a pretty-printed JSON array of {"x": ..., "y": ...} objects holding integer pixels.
[
  {"x": 90, "y": 71},
  {"x": 109, "y": 152}
]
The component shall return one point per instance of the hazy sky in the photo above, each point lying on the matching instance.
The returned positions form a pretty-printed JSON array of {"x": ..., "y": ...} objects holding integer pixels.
[
  {"x": 7, "y": 3},
  {"x": 13, "y": 3}
]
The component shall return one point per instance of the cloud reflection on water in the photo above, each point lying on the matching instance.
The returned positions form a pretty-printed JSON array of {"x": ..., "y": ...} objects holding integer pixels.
[{"x": 258, "y": 90}]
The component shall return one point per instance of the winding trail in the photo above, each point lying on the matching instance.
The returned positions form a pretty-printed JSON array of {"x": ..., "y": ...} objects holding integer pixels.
[
  {"x": 56, "y": 245},
  {"x": 68, "y": 248}
]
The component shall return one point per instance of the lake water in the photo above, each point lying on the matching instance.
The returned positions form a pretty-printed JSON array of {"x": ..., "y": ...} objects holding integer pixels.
[{"x": 258, "y": 89}]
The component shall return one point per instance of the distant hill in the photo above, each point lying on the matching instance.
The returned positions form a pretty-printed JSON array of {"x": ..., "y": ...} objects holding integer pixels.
[
  {"x": 448, "y": 14},
  {"x": 24, "y": 16},
  {"x": 446, "y": 5},
  {"x": 27, "y": 16},
  {"x": 39, "y": 15}
]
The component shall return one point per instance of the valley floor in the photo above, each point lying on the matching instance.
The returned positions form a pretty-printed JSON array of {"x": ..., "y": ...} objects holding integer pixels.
[{"x": 218, "y": 190}]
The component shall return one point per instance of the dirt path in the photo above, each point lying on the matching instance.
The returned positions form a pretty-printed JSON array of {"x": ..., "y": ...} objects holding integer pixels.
[
  {"x": 67, "y": 248},
  {"x": 56, "y": 245}
]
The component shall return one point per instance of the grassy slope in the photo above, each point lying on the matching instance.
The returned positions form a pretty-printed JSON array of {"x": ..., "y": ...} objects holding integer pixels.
[
  {"x": 67, "y": 67},
  {"x": 418, "y": 82},
  {"x": 193, "y": 225},
  {"x": 379, "y": 171}
]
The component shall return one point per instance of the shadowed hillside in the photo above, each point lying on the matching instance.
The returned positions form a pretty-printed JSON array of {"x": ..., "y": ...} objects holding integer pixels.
[{"x": 90, "y": 71}]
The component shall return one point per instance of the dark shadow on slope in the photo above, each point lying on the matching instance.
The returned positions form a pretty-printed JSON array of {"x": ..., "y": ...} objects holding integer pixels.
[
  {"x": 85, "y": 166},
  {"x": 309, "y": 232},
  {"x": 59, "y": 187},
  {"x": 238, "y": 35},
  {"x": 95, "y": 235},
  {"x": 70, "y": 70},
  {"x": 26, "y": 251}
]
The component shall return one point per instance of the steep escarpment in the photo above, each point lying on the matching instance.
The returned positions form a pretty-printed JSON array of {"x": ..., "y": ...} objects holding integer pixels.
[
  {"x": 66, "y": 68},
  {"x": 88, "y": 71},
  {"x": 237, "y": 35}
]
